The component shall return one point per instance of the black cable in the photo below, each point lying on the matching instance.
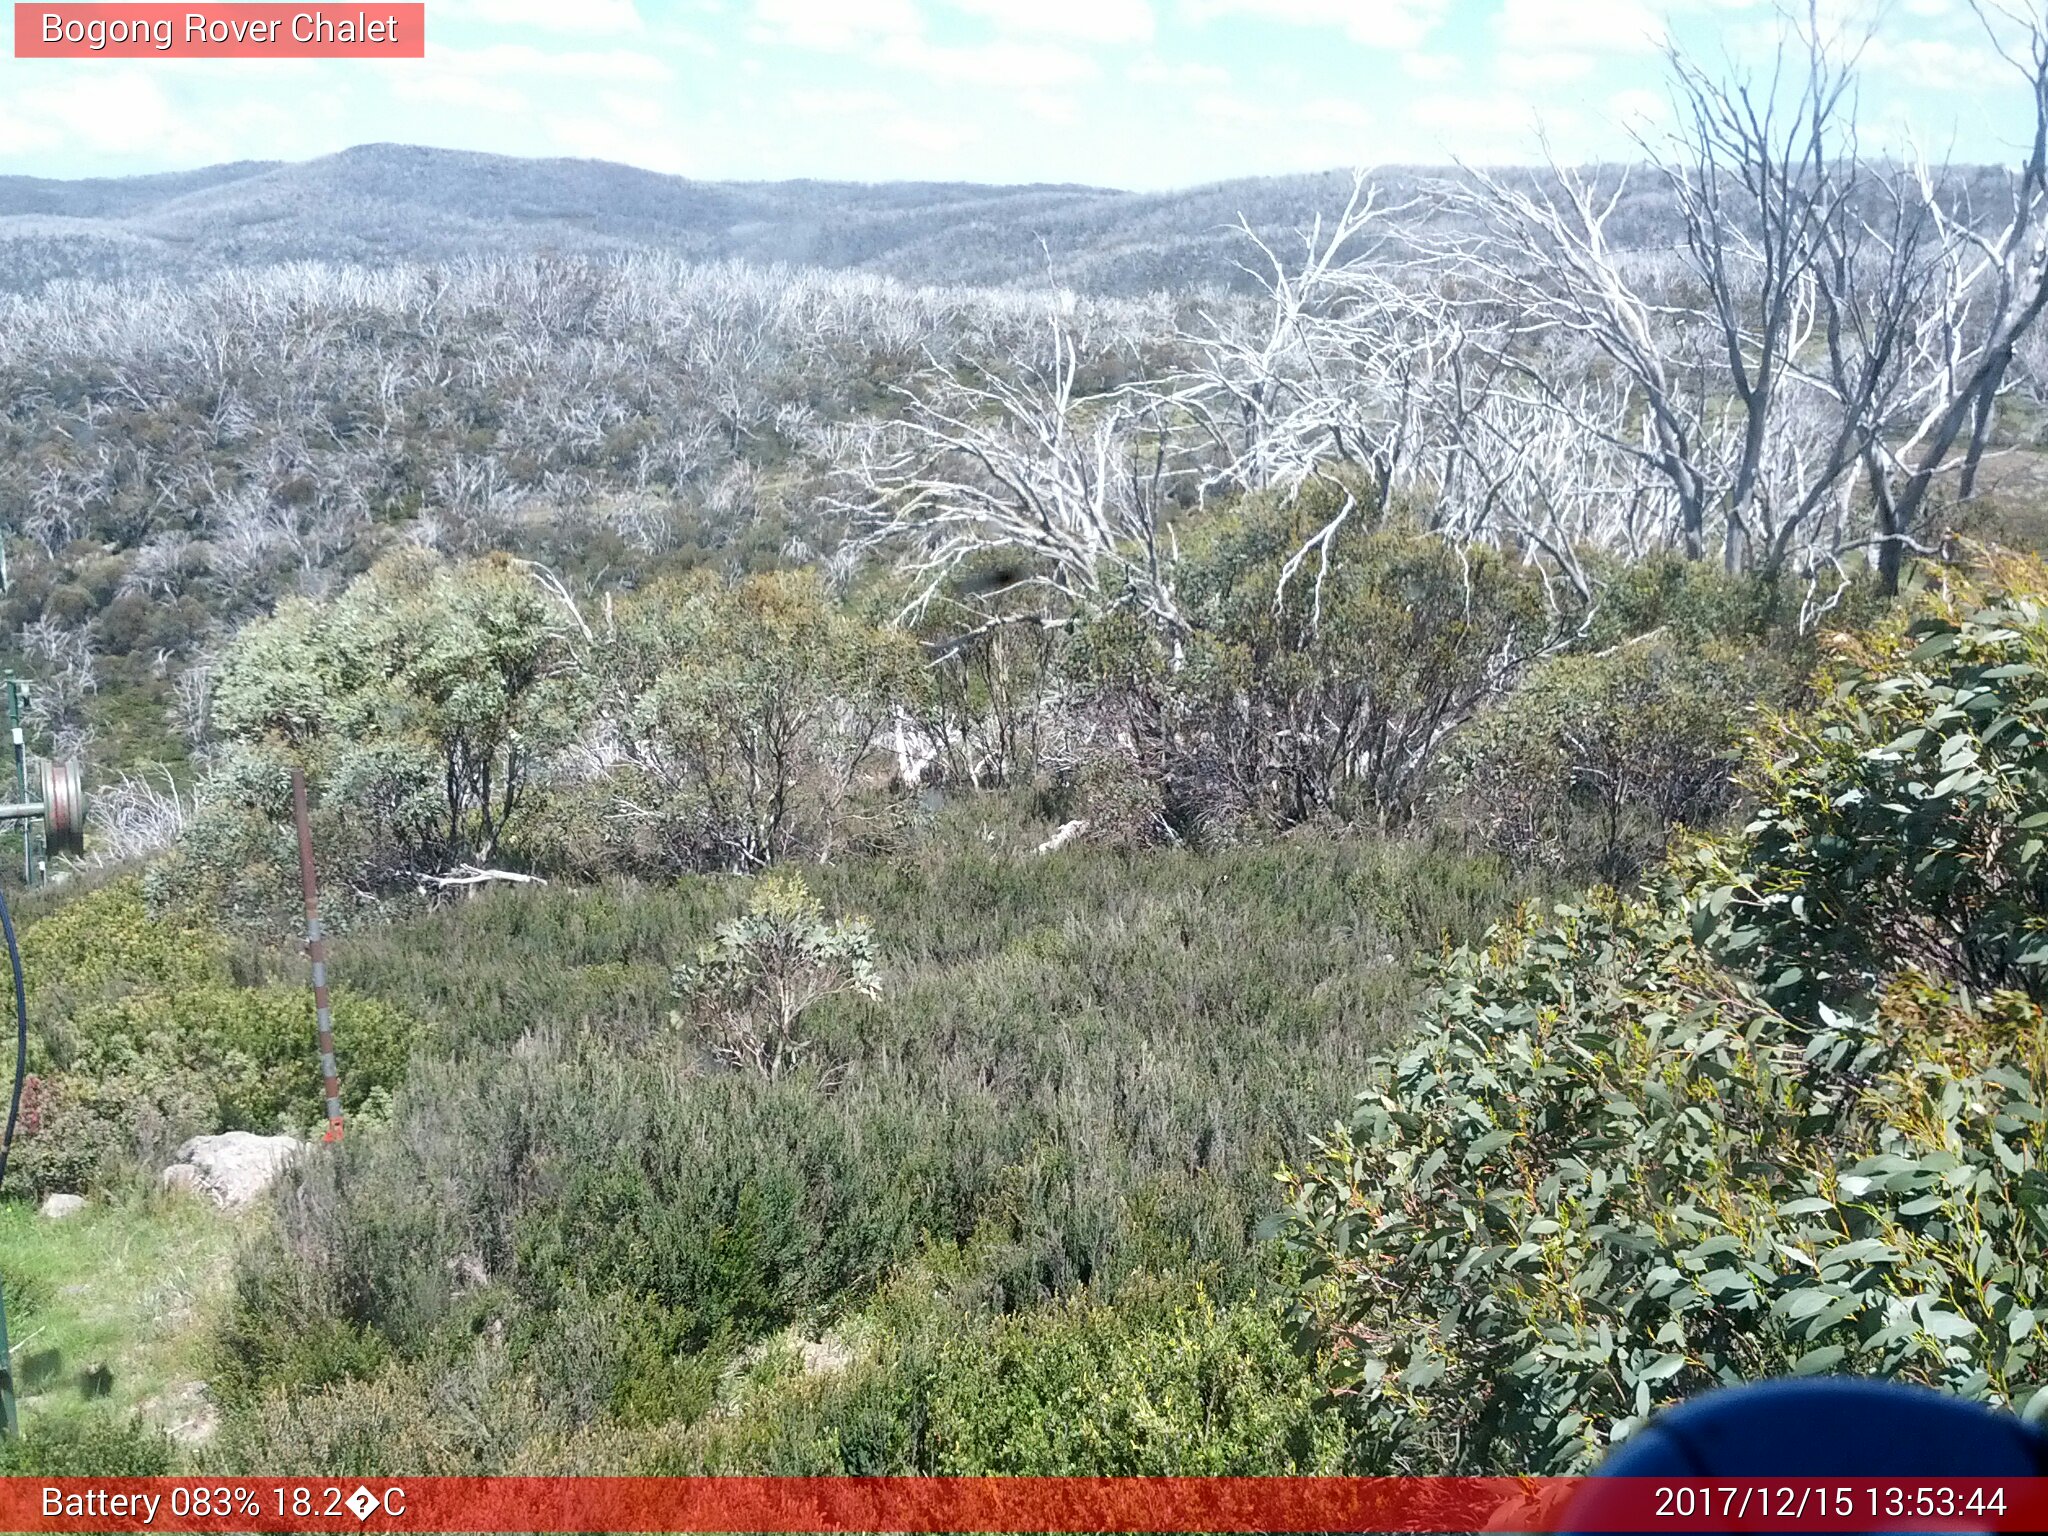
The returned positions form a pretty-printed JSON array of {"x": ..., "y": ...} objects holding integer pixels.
[{"x": 20, "y": 1032}]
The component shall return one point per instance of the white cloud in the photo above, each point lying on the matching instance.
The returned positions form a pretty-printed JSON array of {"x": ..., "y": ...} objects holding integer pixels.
[
  {"x": 928, "y": 143},
  {"x": 1088, "y": 21},
  {"x": 927, "y": 136},
  {"x": 890, "y": 34},
  {"x": 510, "y": 80},
  {"x": 1959, "y": 65},
  {"x": 633, "y": 129},
  {"x": 1150, "y": 69},
  {"x": 579, "y": 138},
  {"x": 1543, "y": 66},
  {"x": 1432, "y": 68},
  {"x": 1612, "y": 26},
  {"x": 1007, "y": 65},
  {"x": 1496, "y": 114},
  {"x": 1061, "y": 90},
  {"x": 837, "y": 24},
  {"x": 842, "y": 104},
  {"x": 1396, "y": 24},
  {"x": 588, "y": 18},
  {"x": 472, "y": 93},
  {"x": 1050, "y": 107},
  {"x": 103, "y": 107},
  {"x": 1639, "y": 110},
  {"x": 519, "y": 61},
  {"x": 22, "y": 134},
  {"x": 1318, "y": 133}
]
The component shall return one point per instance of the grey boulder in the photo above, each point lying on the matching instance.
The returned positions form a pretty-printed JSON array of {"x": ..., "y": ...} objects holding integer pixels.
[{"x": 230, "y": 1169}]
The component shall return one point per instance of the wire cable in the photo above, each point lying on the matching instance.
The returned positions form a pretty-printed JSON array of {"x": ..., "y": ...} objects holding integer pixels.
[
  {"x": 10, "y": 1422},
  {"x": 20, "y": 1033}
]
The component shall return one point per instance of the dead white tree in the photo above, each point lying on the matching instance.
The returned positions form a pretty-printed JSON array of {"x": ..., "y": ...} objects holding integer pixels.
[
  {"x": 190, "y": 711},
  {"x": 1547, "y": 265},
  {"x": 1841, "y": 334},
  {"x": 1336, "y": 365},
  {"x": 1987, "y": 290},
  {"x": 1020, "y": 462},
  {"x": 1518, "y": 473},
  {"x": 62, "y": 661},
  {"x": 1764, "y": 176}
]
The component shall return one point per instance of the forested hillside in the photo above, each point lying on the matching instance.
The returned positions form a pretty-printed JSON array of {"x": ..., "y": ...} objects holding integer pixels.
[
  {"x": 383, "y": 203},
  {"x": 1386, "y": 869}
]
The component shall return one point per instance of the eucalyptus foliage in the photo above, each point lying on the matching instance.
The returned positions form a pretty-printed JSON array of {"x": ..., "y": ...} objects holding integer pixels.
[
  {"x": 1907, "y": 821},
  {"x": 423, "y": 705},
  {"x": 1634, "y": 1152},
  {"x": 743, "y": 718}
]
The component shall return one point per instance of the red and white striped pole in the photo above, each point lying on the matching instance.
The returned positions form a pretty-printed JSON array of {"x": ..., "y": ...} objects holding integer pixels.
[{"x": 316, "y": 951}]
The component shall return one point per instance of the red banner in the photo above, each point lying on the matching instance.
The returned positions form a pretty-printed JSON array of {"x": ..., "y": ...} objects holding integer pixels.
[
  {"x": 1006, "y": 1504},
  {"x": 377, "y": 30}
]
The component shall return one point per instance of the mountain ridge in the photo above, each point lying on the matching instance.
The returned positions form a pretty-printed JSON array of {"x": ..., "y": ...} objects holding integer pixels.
[{"x": 382, "y": 203}]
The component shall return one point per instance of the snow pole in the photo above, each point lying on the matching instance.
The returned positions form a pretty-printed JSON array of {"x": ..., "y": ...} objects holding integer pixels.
[{"x": 316, "y": 951}]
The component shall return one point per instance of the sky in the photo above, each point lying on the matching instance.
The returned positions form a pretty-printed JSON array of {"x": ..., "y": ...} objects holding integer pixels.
[{"x": 1143, "y": 94}]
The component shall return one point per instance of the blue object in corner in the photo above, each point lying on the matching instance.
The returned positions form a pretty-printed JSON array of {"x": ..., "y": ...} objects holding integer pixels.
[
  {"x": 1824, "y": 1427},
  {"x": 1830, "y": 1427}
]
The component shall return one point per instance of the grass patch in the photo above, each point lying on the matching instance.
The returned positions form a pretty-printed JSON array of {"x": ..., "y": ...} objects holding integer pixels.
[{"x": 114, "y": 1306}]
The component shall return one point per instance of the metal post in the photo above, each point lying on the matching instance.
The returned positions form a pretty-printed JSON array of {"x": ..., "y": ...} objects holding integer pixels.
[
  {"x": 10, "y": 1421},
  {"x": 316, "y": 951},
  {"x": 28, "y": 857}
]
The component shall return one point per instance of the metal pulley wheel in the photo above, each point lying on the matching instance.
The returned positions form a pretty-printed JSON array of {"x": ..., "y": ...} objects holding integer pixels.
[{"x": 64, "y": 807}]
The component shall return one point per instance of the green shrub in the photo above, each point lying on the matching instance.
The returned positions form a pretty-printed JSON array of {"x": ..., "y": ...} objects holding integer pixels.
[
  {"x": 864, "y": 1421},
  {"x": 1158, "y": 1378},
  {"x": 747, "y": 718},
  {"x": 1902, "y": 823},
  {"x": 1084, "y": 1070},
  {"x": 313, "y": 1352},
  {"x": 1329, "y": 699},
  {"x": 422, "y": 703},
  {"x": 1594, "y": 761},
  {"x": 1697, "y": 602},
  {"x": 1160, "y": 1384},
  {"x": 95, "y": 1446},
  {"x": 252, "y": 1048},
  {"x": 992, "y": 662},
  {"x": 751, "y": 987},
  {"x": 473, "y": 1420},
  {"x": 144, "y": 1039},
  {"x": 1781, "y": 1119},
  {"x": 27, "y": 1295},
  {"x": 433, "y": 707},
  {"x": 620, "y": 1359},
  {"x": 90, "y": 1131},
  {"x": 108, "y": 941},
  {"x": 1608, "y": 1176}
]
